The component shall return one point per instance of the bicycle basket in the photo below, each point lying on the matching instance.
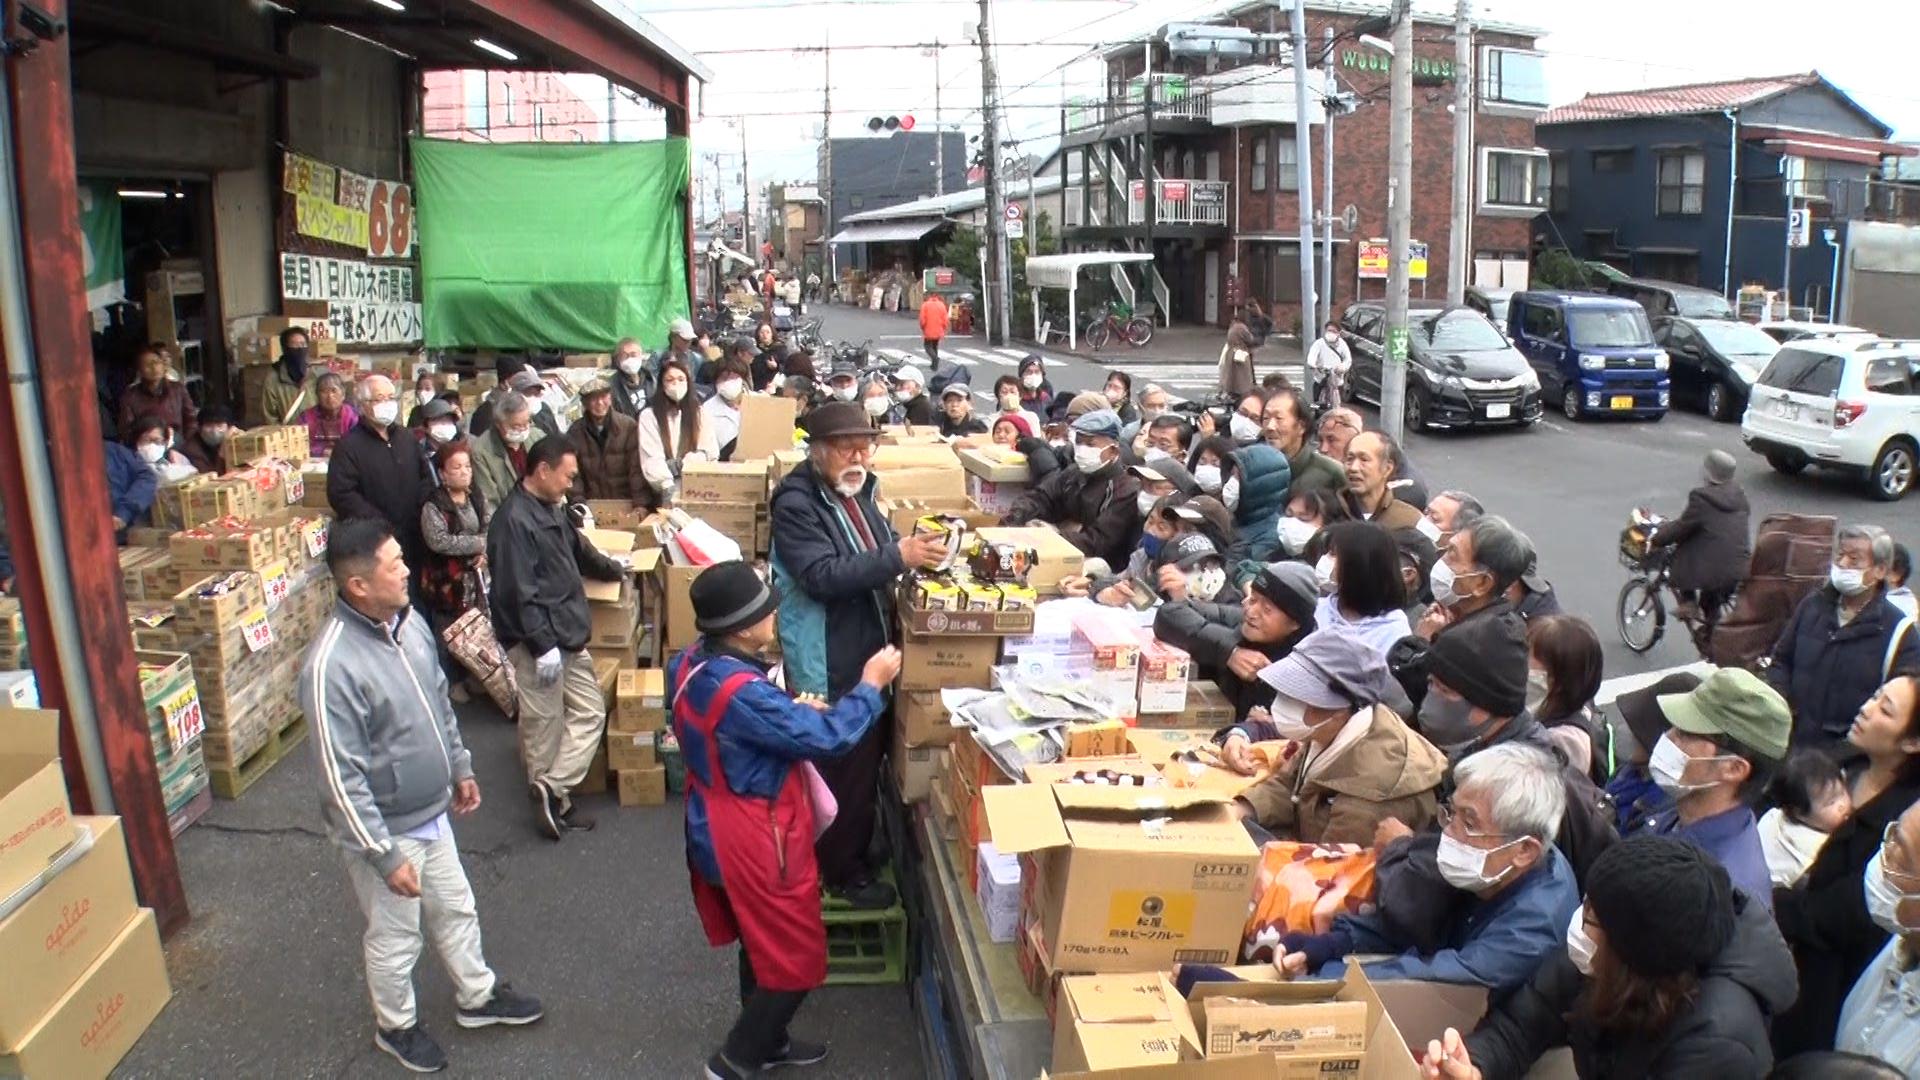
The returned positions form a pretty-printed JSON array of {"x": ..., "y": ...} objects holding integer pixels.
[{"x": 1634, "y": 546}]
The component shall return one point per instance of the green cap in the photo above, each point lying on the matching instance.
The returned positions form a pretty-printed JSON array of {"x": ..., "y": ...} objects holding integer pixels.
[{"x": 1737, "y": 704}]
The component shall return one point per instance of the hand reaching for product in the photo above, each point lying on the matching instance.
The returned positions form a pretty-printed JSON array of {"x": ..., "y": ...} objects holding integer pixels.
[
  {"x": 1237, "y": 752},
  {"x": 1246, "y": 663},
  {"x": 1173, "y": 582},
  {"x": 922, "y": 552},
  {"x": 1447, "y": 1059},
  {"x": 882, "y": 668}
]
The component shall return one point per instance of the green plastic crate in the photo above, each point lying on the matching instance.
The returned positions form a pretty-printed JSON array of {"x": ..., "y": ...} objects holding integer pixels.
[{"x": 870, "y": 949}]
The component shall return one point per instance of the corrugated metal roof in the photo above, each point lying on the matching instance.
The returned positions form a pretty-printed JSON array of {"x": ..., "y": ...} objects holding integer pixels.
[{"x": 1678, "y": 100}]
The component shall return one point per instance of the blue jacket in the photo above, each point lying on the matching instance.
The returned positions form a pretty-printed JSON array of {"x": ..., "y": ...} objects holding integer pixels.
[
  {"x": 761, "y": 735},
  {"x": 1827, "y": 671},
  {"x": 1265, "y": 481},
  {"x": 1497, "y": 943},
  {"x": 1636, "y": 798},
  {"x": 131, "y": 483},
  {"x": 835, "y": 607},
  {"x": 1733, "y": 839}
]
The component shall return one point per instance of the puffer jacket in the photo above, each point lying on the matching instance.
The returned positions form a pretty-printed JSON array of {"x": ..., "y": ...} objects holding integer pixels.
[
  {"x": 1209, "y": 633},
  {"x": 835, "y": 605},
  {"x": 1383, "y": 770},
  {"x": 609, "y": 466},
  {"x": 1826, "y": 671},
  {"x": 1265, "y": 483},
  {"x": 1723, "y": 1033},
  {"x": 1709, "y": 538},
  {"x": 1096, "y": 513}
]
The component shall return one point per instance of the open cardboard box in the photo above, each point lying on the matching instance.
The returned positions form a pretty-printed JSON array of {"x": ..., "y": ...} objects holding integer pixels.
[
  {"x": 1129, "y": 878},
  {"x": 611, "y": 543},
  {"x": 766, "y": 427},
  {"x": 36, "y": 821}
]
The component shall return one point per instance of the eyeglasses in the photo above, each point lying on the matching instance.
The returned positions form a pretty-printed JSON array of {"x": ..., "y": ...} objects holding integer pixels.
[
  {"x": 1448, "y": 816},
  {"x": 852, "y": 445},
  {"x": 1908, "y": 882}
]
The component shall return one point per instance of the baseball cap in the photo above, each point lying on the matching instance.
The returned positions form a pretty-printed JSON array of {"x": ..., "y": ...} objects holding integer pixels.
[
  {"x": 958, "y": 390},
  {"x": 681, "y": 328},
  {"x": 1104, "y": 422},
  {"x": 1189, "y": 551},
  {"x": 1737, "y": 704},
  {"x": 910, "y": 374}
]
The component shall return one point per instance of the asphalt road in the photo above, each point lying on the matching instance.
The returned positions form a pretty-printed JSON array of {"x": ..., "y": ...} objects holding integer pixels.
[{"x": 1568, "y": 485}]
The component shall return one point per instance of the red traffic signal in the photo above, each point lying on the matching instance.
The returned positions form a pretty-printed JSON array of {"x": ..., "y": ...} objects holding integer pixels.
[
  {"x": 877, "y": 124},
  {"x": 906, "y": 122}
]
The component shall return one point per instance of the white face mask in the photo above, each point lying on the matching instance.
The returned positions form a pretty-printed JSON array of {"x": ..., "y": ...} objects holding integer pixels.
[
  {"x": 1580, "y": 947},
  {"x": 1154, "y": 454},
  {"x": 1206, "y": 582},
  {"x": 1295, "y": 534},
  {"x": 1244, "y": 429},
  {"x": 1536, "y": 689},
  {"x": 1145, "y": 501},
  {"x": 443, "y": 433},
  {"x": 1230, "y": 493},
  {"x": 1208, "y": 477},
  {"x": 386, "y": 412},
  {"x": 1009, "y": 402},
  {"x": 213, "y": 436},
  {"x": 1425, "y": 527},
  {"x": 1031, "y": 381},
  {"x": 1289, "y": 716},
  {"x": 1116, "y": 395},
  {"x": 152, "y": 453},
  {"x": 1323, "y": 574},
  {"x": 1332, "y": 336},
  {"x": 425, "y": 396},
  {"x": 1883, "y": 899},
  {"x": 876, "y": 406},
  {"x": 730, "y": 389},
  {"x": 1668, "y": 764},
  {"x": 1465, "y": 866},
  {"x": 1089, "y": 459},
  {"x": 1442, "y": 579},
  {"x": 1848, "y": 582},
  {"x": 675, "y": 391},
  {"x": 845, "y": 393},
  {"x": 851, "y": 482},
  {"x": 516, "y": 436},
  {"x": 904, "y": 396},
  {"x": 630, "y": 366}
]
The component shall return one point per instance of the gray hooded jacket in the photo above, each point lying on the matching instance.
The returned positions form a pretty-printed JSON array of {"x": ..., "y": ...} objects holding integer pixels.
[{"x": 385, "y": 736}]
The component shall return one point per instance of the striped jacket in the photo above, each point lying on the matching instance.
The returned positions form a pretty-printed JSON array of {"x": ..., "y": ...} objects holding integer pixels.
[{"x": 385, "y": 736}]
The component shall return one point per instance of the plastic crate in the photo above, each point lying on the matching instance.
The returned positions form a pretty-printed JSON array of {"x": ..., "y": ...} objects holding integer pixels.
[{"x": 866, "y": 947}]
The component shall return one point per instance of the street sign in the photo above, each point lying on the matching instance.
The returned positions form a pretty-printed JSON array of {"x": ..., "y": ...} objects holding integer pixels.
[
  {"x": 1799, "y": 227},
  {"x": 1016, "y": 228},
  {"x": 1376, "y": 258},
  {"x": 1416, "y": 261},
  {"x": 1397, "y": 345},
  {"x": 1013, "y": 211}
]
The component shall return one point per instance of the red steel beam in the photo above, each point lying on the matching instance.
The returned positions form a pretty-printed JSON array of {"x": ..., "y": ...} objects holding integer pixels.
[
  {"x": 41, "y": 99},
  {"x": 594, "y": 42}
]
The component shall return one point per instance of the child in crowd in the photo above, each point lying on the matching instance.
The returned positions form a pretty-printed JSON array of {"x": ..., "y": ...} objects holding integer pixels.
[{"x": 1810, "y": 801}]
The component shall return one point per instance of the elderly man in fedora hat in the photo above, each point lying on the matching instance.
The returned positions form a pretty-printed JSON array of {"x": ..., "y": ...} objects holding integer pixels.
[{"x": 834, "y": 559}]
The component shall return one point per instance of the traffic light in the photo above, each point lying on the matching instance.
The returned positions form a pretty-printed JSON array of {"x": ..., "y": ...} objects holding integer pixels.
[{"x": 877, "y": 124}]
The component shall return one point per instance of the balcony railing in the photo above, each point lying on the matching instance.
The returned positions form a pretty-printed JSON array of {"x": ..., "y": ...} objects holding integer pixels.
[
  {"x": 1175, "y": 97},
  {"x": 1179, "y": 202},
  {"x": 1839, "y": 199}
]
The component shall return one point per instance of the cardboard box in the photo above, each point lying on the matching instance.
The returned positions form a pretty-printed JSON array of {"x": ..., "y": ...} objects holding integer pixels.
[
  {"x": 639, "y": 701},
  {"x": 99, "y": 1018},
  {"x": 612, "y": 543},
  {"x": 216, "y": 614},
  {"x": 678, "y": 583},
  {"x": 67, "y": 920},
  {"x": 1207, "y": 705},
  {"x": 1163, "y": 675},
  {"x": 929, "y": 663},
  {"x": 1131, "y": 878},
  {"x": 737, "y": 521},
  {"x": 630, "y": 750},
  {"x": 1055, "y": 557},
  {"x": 1119, "y": 1021},
  {"x": 643, "y": 787},
  {"x": 998, "y": 890},
  {"x": 596, "y": 778},
  {"x": 913, "y": 766},
  {"x": 586, "y": 360},
  {"x": 767, "y": 423},
  {"x": 1104, "y": 738},
  {"x": 613, "y": 623},
  {"x": 616, "y": 514},
  {"x": 995, "y": 464},
  {"x": 1249, "y": 1022},
  {"x": 922, "y": 719},
  {"x": 36, "y": 821},
  {"x": 706, "y": 482}
]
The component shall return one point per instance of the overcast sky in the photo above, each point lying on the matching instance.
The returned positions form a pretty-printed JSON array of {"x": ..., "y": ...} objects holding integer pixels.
[{"x": 1049, "y": 49}]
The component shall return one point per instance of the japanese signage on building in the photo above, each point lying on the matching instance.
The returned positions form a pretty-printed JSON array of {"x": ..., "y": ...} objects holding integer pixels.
[
  {"x": 366, "y": 304},
  {"x": 1376, "y": 258},
  {"x": 336, "y": 206}
]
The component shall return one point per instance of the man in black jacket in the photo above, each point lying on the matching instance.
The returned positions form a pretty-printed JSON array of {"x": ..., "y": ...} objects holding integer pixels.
[
  {"x": 378, "y": 471},
  {"x": 539, "y": 607},
  {"x": 1231, "y": 643},
  {"x": 1094, "y": 503},
  {"x": 1710, "y": 540},
  {"x": 834, "y": 559}
]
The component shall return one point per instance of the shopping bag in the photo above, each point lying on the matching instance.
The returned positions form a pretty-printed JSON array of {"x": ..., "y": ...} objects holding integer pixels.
[
  {"x": 470, "y": 640},
  {"x": 825, "y": 806},
  {"x": 1301, "y": 887}
]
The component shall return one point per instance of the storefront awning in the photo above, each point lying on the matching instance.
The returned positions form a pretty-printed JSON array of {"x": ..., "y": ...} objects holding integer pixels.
[
  {"x": 1058, "y": 271},
  {"x": 886, "y": 232}
]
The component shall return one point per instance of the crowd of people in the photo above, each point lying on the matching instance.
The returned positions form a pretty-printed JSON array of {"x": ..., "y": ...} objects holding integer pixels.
[{"x": 1725, "y": 876}]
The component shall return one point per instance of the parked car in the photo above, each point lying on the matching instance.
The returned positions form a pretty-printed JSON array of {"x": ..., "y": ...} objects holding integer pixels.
[
  {"x": 1667, "y": 299},
  {"x": 1594, "y": 354},
  {"x": 1843, "y": 403},
  {"x": 1784, "y": 332},
  {"x": 1491, "y": 302},
  {"x": 1460, "y": 371},
  {"x": 1714, "y": 361}
]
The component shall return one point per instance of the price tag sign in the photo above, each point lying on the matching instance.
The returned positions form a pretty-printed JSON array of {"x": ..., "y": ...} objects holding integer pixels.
[
  {"x": 295, "y": 487},
  {"x": 277, "y": 585},
  {"x": 184, "y": 719},
  {"x": 257, "y": 630},
  {"x": 315, "y": 535}
]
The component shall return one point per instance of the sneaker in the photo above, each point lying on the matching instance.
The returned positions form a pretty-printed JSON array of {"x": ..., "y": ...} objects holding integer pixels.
[
  {"x": 506, "y": 1006},
  {"x": 412, "y": 1048},
  {"x": 573, "y": 820},
  {"x": 867, "y": 895},
  {"x": 797, "y": 1052},
  {"x": 719, "y": 1068},
  {"x": 545, "y": 816}
]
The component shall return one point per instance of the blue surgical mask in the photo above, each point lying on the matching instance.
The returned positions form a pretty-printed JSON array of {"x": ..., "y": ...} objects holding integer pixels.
[{"x": 1151, "y": 544}]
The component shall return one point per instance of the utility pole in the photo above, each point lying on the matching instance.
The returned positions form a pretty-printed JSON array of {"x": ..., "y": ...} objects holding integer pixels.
[
  {"x": 1326, "y": 219},
  {"x": 939, "y": 132},
  {"x": 746, "y": 198},
  {"x": 826, "y": 169},
  {"x": 1001, "y": 326},
  {"x": 1393, "y": 381},
  {"x": 1458, "y": 257},
  {"x": 1303, "y": 154}
]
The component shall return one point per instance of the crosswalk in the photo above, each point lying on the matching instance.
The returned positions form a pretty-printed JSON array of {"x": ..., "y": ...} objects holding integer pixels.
[{"x": 1183, "y": 380}]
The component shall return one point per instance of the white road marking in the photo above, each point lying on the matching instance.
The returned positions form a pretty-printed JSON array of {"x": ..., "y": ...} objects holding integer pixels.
[
  {"x": 1611, "y": 689},
  {"x": 1014, "y": 355}
]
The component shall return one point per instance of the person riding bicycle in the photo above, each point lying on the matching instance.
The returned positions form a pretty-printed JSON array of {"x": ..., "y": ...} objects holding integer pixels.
[{"x": 1710, "y": 542}]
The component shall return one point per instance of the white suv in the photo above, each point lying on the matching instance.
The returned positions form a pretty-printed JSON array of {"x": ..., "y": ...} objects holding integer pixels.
[{"x": 1841, "y": 402}]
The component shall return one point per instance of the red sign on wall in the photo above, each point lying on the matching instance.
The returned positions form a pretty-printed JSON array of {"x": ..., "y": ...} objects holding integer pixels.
[{"x": 1174, "y": 191}]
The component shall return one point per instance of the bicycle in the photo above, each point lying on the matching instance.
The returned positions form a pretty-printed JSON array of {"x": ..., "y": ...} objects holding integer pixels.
[
  {"x": 1135, "y": 330},
  {"x": 1641, "y": 615}
]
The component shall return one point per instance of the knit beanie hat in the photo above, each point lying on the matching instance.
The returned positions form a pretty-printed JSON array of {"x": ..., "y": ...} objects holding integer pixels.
[
  {"x": 729, "y": 597},
  {"x": 1666, "y": 905},
  {"x": 1484, "y": 659},
  {"x": 1292, "y": 588}
]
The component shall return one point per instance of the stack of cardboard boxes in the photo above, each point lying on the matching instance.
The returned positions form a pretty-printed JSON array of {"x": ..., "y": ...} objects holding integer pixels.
[
  {"x": 633, "y": 731},
  {"x": 175, "y": 722},
  {"x": 85, "y": 975}
]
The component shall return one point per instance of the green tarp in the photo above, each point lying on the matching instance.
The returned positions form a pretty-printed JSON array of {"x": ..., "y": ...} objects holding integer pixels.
[{"x": 550, "y": 245}]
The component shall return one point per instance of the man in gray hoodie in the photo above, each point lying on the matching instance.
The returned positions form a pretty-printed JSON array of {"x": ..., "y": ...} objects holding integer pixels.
[{"x": 391, "y": 766}]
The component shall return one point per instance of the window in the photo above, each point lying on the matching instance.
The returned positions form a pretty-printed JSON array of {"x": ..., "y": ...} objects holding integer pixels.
[
  {"x": 1806, "y": 178},
  {"x": 1288, "y": 157},
  {"x": 1258, "y": 181},
  {"x": 1515, "y": 178},
  {"x": 1613, "y": 161},
  {"x": 476, "y": 94},
  {"x": 507, "y": 91},
  {"x": 1804, "y": 371},
  {"x": 1887, "y": 375},
  {"x": 1513, "y": 77},
  {"x": 1560, "y": 191},
  {"x": 1682, "y": 185},
  {"x": 1541, "y": 322},
  {"x": 539, "y": 122}
]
